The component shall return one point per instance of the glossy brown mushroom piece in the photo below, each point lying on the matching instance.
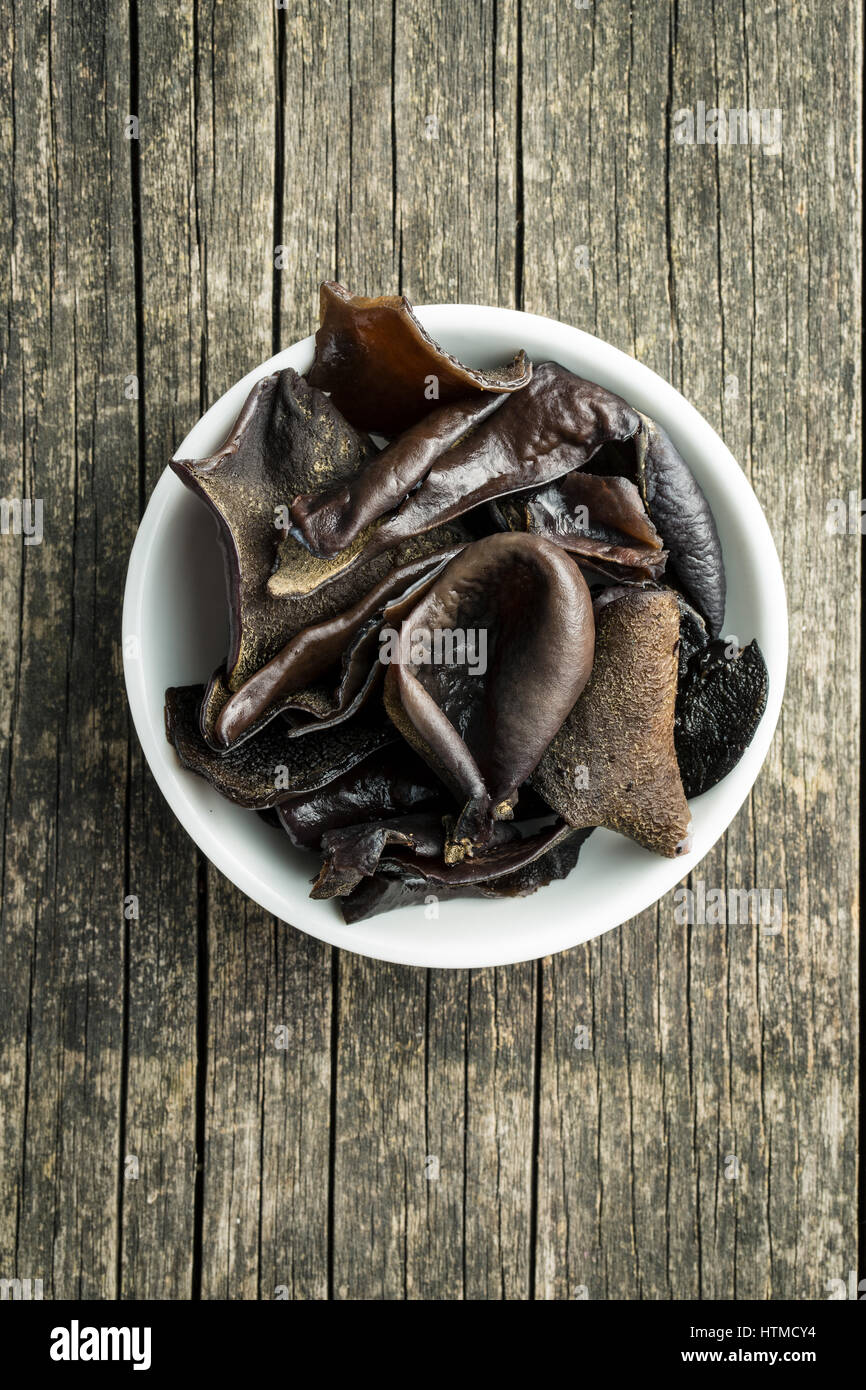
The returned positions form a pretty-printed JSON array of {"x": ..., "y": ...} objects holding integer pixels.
[
  {"x": 286, "y": 438},
  {"x": 328, "y": 522},
  {"x": 522, "y": 611},
  {"x": 391, "y": 781},
  {"x": 680, "y": 513},
  {"x": 343, "y": 647},
  {"x": 383, "y": 370},
  {"x": 512, "y": 869},
  {"x": 556, "y": 424},
  {"x": 274, "y": 765},
  {"x": 613, "y": 762},
  {"x": 599, "y": 520}
]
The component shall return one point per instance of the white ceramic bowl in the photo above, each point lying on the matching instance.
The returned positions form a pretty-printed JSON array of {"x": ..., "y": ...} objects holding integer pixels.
[{"x": 175, "y": 633}]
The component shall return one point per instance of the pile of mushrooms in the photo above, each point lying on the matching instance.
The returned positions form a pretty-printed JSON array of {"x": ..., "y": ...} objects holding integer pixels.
[{"x": 473, "y": 616}]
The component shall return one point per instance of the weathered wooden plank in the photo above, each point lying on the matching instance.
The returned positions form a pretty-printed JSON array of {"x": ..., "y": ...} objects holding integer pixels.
[
  {"x": 336, "y": 119},
  {"x": 716, "y": 1053},
  {"x": 268, "y": 1089},
  {"x": 732, "y": 1196},
  {"x": 210, "y": 190},
  {"x": 594, "y": 229},
  {"x": 17, "y": 937},
  {"x": 294, "y": 1258},
  {"x": 455, "y": 99},
  {"x": 235, "y": 163},
  {"x": 817, "y": 196},
  {"x": 68, "y": 433},
  {"x": 159, "y": 1196},
  {"x": 789, "y": 1218}
]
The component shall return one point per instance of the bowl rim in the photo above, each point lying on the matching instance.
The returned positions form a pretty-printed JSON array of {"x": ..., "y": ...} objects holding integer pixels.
[{"x": 645, "y": 388}]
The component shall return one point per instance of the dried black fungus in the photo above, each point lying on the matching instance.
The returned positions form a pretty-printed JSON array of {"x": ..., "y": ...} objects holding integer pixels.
[
  {"x": 613, "y": 761},
  {"x": 294, "y": 615},
  {"x": 345, "y": 645},
  {"x": 524, "y": 616},
  {"x": 602, "y": 521},
  {"x": 384, "y": 371},
  {"x": 680, "y": 513},
  {"x": 682, "y": 516},
  {"x": 390, "y": 782},
  {"x": 555, "y": 424},
  {"x": 396, "y": 884},
  {"x": 693, "y": 638},
  {"x": 721, "y": 698},
  {"x": 327, "y": 523},
  {"x": 286, "y": 439},
  {"x": 275, "y": 764},
  {"x": 354, "y": 852}
]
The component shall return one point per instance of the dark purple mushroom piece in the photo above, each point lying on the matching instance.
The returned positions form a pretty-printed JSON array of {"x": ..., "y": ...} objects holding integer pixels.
[
  {"x": 680, "y": 513},
  {"x": 418, "y": 844},
  {"x": 382, "y": 368},
  {"x": 272, "y": 766},
  {"x": 288, "y": 437},
  {"x": 354, "y": 852},
  {"x": 542, "y": 858},
  {"x": 327, "y": 522},
  {"x": 345, "y": 646},
  {"x": 598, "y": 573},
  {"x": 721, "y": 697},
  {"x": 390, "y": 782},
  {"x": 555, "y": 424},
  {"x": 488, "y": 665},
  {"x": 599, "y": 520},
  {"x": 694, "y": 638},
  {"x": 613, "y": 762},
  {"x": 319, "y": 701},
  {"x": 683, "y": 518}
]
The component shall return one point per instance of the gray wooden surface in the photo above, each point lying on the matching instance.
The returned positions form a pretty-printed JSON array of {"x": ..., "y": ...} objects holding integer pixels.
[{"x": 154, "y": 1143}]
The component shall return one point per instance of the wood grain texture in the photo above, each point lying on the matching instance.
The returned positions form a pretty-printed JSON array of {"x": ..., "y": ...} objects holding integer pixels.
[
  {"x": 198, "y": 1101},
  {"x": 70, "y": 440},
  {"x": 733, "y": 272},
  {"x": 157, "y": 1215}
]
